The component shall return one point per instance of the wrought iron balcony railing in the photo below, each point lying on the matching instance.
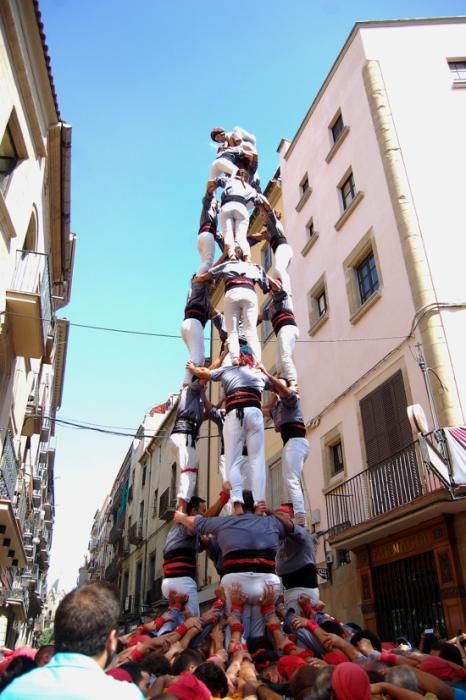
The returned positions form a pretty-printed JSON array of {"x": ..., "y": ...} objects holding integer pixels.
[
  {"x": 379, "y": 489},
  {"x": 8, "y": 468}
]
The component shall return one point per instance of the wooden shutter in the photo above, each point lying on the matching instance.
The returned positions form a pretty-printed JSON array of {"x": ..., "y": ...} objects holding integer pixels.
[{"x": 385, "y": 421}]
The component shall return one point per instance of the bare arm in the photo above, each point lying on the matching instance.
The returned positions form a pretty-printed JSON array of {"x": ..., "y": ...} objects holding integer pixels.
[
  {"x": 199, "y": 372},
  {"x": 277, "y": 385},
  {"x": 216, "y": 507},
  {"x": 205, "y": 277},
  {"x": 394, "y": 691}
]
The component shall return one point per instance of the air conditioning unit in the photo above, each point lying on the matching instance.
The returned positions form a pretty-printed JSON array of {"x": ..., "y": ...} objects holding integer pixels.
[{"x": 329, "y": 557}]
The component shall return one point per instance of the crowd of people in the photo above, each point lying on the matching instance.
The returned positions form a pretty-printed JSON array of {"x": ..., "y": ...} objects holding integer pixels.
[
  {"x": 266, "y": 634},
  {"x": 180, "y": 656}
]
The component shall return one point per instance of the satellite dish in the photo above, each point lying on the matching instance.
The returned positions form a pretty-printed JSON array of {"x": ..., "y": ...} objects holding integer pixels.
[{"x": 417, "y": 418}]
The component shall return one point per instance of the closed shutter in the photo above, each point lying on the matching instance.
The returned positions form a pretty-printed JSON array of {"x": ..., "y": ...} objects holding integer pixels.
[{"x": 385, "y": 420}]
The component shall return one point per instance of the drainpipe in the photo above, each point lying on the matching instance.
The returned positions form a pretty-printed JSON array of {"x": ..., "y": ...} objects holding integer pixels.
[{"x": 432, "y": 332}]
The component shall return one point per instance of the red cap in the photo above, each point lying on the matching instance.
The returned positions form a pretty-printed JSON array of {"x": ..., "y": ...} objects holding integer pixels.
[
  {"x": 288, "y": 665},
  {"x": 120, "y": 674},
  {"x": 188, "y": 687},
  {"x": 350, "y": 681}
]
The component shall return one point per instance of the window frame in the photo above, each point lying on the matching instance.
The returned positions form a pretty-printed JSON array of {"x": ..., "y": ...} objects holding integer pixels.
[
  {"x": 317, "y": 315},
  {"x": 366, "y": 247},
  {"x": 337, "y": 121},
  {"x": 353, "y": 191},
  {"x": 367, "y": 270},
  {"x": 458, "y": 74}
]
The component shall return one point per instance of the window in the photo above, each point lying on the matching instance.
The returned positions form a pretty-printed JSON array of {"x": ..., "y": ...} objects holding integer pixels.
[
  {"x": 310, "y": 228},
  {"x": 363, "y": 276},
  {"x": 368, "y": 280},
  {"x": 321, "y": 303},
  {"x": 458, "y": 70},
  {"x": 304, "y": 192},
  {"x": 342, "y": 557},
  {"x": 317, "y": 305},
  {"x": 336, "y": 458},
  {"x": 144, "y": 473},
  {"x": 141, "y": 512},
  {"x": 337, "y": 128},
  {"x": 275, "y": 485},
  {"x": 12, "y": 150},
  {"x": 348, "y": 191},
  {"x": 304, "y": 185},
  {"x": 266, "y": 330},
  {"x": 311, "y": 236},
  {"x": 266, "y": 257},
  {"x": 156, "y": 498}
]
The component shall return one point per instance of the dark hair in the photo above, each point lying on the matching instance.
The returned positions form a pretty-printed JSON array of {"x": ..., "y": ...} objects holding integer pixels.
[
  {"x": 16, "y": 668},
  {"x": 194, "y": 503},
  {"x": 302, "y": 682},
  {"x": 158, "y": 665},
  {"x": 374, "y": 676},
  {"x": 354, "y": 626},
  {"x": 181, "y": 662},
  {"x": 85, "y": 618},
  {"x": 323, "y": 683},
  {"x": 213, "y": 677},
  {"x": 367, "y": 634},
  {"x": 41, "y": 650},
  {"x": 134, "y": 670},
  {"x": 248, "y": 505},
  {"x": 450, "y": 652},
  {"x": 333, "y": 627}
]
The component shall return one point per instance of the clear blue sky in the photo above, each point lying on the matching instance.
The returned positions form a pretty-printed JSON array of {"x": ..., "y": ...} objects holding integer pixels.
[{"x": 142, "y": 83}]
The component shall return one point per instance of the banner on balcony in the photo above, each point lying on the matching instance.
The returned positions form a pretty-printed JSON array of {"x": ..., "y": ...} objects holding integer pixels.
[{"x": 456, "y": 441}]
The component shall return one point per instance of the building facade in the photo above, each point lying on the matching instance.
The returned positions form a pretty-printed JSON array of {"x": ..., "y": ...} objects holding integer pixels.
[
  {"x": 379, "y": 299},
  {"x": 36, "y": 264}
]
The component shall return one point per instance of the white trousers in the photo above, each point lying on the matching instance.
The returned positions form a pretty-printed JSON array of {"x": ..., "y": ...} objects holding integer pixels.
[
  {"x": 281, "y": 261},
  {"x": 235, "y": 221},
  {"x": 245, "y": 480},
  {"x": 292, "y": 594},
  {"x": 183, "y": 584},
  {"x": 221, "y": 166},
  {"x": 294, "y": 454},
  {"x": 187, "y": 462},
  {"x": 241, "y": 303},
  {"x": 287, "y": 337},
  {"x": 206, "y": 250},
  {"x": 192, "y": 332},
  {"x": 235, "y": 434},
  {"x": 252, "y": 584}
]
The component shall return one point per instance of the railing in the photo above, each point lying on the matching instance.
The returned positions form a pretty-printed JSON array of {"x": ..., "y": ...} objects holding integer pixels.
[
  {"x": 116, "y": 532},
  {"x": 32, "y": 275},
  {"x": 167, "y": 504},
  {"x": 379, "y": 489},
  {"x": 135, "y": 533},
  {"x": 111, "y": 572},
  {"x": 8, "y": 469}
]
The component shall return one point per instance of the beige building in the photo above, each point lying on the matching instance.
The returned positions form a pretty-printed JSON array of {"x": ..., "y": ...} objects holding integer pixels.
[
  {"x": 36, "y": 263},
  {"x": 373, "y": 208}
]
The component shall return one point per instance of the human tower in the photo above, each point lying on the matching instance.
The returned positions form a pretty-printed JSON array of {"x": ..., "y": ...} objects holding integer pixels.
[{"x": 233, "y": 174}]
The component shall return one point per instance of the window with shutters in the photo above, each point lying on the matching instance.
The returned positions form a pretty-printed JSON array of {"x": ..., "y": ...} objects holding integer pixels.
[
  {"x": 389, "y": 446},
  {"x": 275, "y": 485}
]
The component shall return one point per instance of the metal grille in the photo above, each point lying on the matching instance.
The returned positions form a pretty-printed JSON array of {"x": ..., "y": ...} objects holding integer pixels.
[
  {"x": 408, "y": 598},
  {"x": 32, "y": 275},
  {"x": 8, "y": 469}
]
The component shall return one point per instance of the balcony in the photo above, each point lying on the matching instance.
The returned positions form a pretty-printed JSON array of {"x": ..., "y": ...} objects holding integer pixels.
[
  {"x": 111, "y": 572},
  {"x": 383, "y": 498},
  {"x": 28, "y": 304},
  {"x": 116, "y": 532},
  {"x": 167, "y": 505},
  {"x": 135, "y": 533},
  {"x": 8, "y": 469},
  {"x": 33, "y": 416}
]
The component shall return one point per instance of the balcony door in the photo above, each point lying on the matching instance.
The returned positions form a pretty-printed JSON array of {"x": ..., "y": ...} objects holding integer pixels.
[{"x": 393, "y": 475}]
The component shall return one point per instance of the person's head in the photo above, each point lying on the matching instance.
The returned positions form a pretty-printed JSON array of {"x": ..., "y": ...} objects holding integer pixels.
[
  {"x": 196, "y": 506},
  {"x": 366, "y": 634},
  {"x": 246, "y": 356},
  {"x": 402, "y": 676},
  {"x": 16, "y": 668},
  {"x": 350, "y": 682},
  {"x": 218, "y": 134},
  {"x": 333, "y": 627},
  {"x": 187, "y": 661},
  {"x": 323, "y": 683},
  {"x": 188, "y": 687},
  {"x": 302, "y": 683},
  {"x": 156, "y": 665},
  {"x": 242, "y": 174},
  {"x": 288, "y": 665},
  {"x": 213, "y": 677},
  {"x": 450, "y": 652},
  {"x": 44, "y": 654},
  {"x": 86, "y": 622},
  {"x": 248, "y": 502},
  {"x": 138, "y": 675}
]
